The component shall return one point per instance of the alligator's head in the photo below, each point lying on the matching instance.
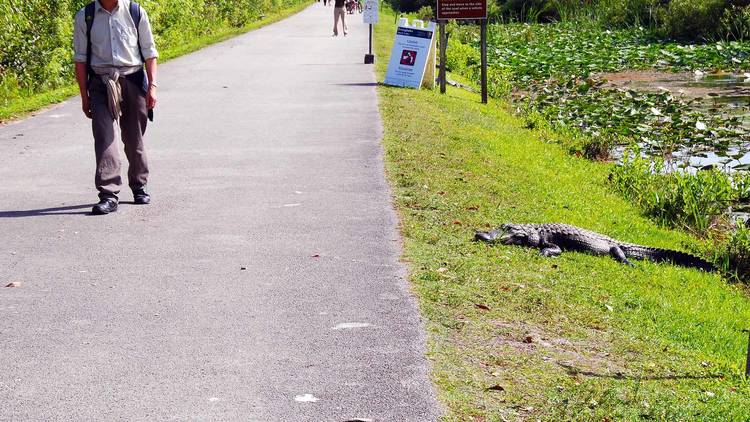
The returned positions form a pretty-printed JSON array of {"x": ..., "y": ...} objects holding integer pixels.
[
  {"x": 510, "y": 234},
  {"x": 517, "y": 234}
]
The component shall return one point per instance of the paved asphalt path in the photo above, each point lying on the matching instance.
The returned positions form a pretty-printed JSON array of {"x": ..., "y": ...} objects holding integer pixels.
[{"x": 262, "y": 284}]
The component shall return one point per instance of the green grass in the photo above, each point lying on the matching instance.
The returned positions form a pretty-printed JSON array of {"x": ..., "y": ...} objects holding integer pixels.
[
  {"x": 670, "y": 129},
  {"x": 513, "y": 335},
  {"x": 23, "y": 106}
]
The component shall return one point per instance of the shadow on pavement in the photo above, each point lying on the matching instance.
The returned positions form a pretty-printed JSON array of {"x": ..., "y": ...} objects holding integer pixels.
[
  {"x": 359, "y": 84},
  {"x": 48, "y": 211}
]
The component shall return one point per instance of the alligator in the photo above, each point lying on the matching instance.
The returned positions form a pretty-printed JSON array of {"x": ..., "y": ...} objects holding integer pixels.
[{"x": 552, "y": 239}]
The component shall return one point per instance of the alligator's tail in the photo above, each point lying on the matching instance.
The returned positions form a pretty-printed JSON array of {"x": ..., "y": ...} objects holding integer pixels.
[{"x": 662, "y": 255}]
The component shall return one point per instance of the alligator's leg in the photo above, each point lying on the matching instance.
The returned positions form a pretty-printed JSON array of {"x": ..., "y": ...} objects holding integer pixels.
[
  {"x": 550, "y": 249},
  {"x": 619, "y": 255}
]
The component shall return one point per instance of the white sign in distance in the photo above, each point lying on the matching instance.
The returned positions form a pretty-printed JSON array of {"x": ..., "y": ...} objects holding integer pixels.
[
  {"x": 370, "y": 12},
  {"x": 409, "y": 54}
]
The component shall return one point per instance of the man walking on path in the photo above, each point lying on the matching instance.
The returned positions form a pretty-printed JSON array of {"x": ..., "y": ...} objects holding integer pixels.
[
  {"x": 113, "y": 41},
  {"x": 339, "y": 12}
]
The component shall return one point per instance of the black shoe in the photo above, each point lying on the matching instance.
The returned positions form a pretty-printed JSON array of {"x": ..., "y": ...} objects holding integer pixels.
[
  {"x": 140, "y": 197},
  {"x": 105, "y": 206}
]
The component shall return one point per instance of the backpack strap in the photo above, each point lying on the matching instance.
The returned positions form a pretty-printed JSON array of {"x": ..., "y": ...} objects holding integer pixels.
[
  {"x": 89, "y": 16},
  {"x": 135, "y": 13}
]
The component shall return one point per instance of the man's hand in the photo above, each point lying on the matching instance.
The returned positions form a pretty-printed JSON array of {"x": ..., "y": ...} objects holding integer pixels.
[
  {"x": 151, "y": 74},
  {"x": 151, "y": 97},
  {"x": 86, "y": 105},
  {"x": 82, "y": 78}
]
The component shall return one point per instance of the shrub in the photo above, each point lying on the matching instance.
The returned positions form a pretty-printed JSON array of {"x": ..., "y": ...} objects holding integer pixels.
[
  {"x": 542, "y": 10},
  {"x": 527, "y": 10},
  {"x": 410, "y": 5},
  {"x": 499, "y": 82},
  {"x": 734, "y": 257},
  {"x": 626, "y": 13},
  {"x": 426, "y": 13},
  {"x": 598, "y": 149},
  {"x": 693, "y": 19},
  {"x": 36, "y": 35},
  {"x": 695, "y": 202},
  {"x": 735, "y": 24},
  {"x": 462, "y": 58},
  {"x": 34, "y": 43}
]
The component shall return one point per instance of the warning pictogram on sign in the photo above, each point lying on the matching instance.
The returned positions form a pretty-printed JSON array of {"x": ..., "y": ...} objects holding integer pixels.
[{"x": 408, "y": 57}]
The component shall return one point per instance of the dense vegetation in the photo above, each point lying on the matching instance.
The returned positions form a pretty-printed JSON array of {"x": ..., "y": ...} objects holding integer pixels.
[
  {"x": 36, "y": 35},
  {"x": 697, "y": 20},
  {"x": 682, "y": 19},
  {"x": 558, "y": 67}
]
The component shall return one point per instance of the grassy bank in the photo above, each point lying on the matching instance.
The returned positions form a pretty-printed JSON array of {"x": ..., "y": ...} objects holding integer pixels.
[
  {"x": 516, "y": 336},
  {"x": 18, "y": 107},
  {"x": 564, "y": 80}
]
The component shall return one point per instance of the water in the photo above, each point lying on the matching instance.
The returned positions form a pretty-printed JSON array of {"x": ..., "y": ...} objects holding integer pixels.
[
  {"x": 720, "y": 94},
  {"x": 729, "y": 93}
]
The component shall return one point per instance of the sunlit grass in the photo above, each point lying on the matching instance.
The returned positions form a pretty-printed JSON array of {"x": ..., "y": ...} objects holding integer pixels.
[{"x": 518, "y": 336}]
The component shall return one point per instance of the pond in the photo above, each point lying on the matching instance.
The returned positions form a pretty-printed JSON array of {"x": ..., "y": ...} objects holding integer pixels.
[{"x": 721, "y": 95}]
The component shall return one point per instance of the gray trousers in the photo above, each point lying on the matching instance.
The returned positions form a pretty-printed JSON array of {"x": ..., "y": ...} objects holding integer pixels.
[
  {"x": 132, "y": 128},
  {"x": 339, "y": 13}
]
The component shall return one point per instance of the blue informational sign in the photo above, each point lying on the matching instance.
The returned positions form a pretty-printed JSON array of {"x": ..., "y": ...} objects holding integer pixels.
[
  {"x": 370, "y": 13},
  {"x": 409, "y": 54}
]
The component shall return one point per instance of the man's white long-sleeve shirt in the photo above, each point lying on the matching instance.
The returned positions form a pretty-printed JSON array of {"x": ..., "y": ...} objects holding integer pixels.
[{"x": 114, "y": 38}]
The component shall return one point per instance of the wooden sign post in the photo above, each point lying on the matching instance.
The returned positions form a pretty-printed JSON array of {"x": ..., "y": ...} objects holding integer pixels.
[
  {"x": 462, "y": 10},
  {"x": 443, "y": 48},
  {"x": 484, "y": 60}
]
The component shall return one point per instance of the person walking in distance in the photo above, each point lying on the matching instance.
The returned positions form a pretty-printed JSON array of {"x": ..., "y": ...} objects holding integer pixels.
[
  {"x": 339, "y": 12},
  {"x": 113, "y": 41}
]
